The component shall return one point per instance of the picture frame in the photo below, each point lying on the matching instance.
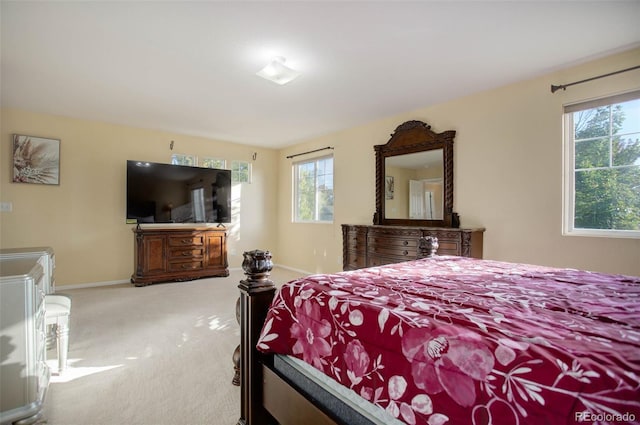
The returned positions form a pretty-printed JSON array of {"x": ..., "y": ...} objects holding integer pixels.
[
  {"x": 388, "y": 187},
  {"x": 36, "y": 160}
]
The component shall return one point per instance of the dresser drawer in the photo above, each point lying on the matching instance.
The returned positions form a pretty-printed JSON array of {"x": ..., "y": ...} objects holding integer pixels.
[
  {"x": 186, "y": 240},
  {"x": 448, "y": 247},
  {"x": 449, "y": 243},
  {"x": 403, "y": 246},
  {"x": 394, "y": 242},
  {"x": 403, "y": 253},
  {"x": 185, "y": 253},
  {"x": 179, "y": 266},
  {"x": 394, "y": 232}
]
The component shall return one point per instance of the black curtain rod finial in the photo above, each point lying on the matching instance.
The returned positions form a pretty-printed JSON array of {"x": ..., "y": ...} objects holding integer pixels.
[{"x": 556, "y": 88}]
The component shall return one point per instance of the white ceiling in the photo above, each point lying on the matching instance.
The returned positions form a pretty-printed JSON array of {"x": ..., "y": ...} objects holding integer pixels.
[{"x": 189, "y": 67}]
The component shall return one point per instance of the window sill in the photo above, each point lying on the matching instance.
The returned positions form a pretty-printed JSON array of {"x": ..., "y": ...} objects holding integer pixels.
[{"x": 616, "y": 234}]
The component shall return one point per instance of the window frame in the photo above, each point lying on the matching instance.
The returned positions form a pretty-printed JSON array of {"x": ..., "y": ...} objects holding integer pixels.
[
  {"x": 235, "y": 173},
  {"x": 569, "y": 171},
  {"x": 295, "y": 195},
  {"x": 175, "y": 156},
  {"x": 210, "y": 158}
]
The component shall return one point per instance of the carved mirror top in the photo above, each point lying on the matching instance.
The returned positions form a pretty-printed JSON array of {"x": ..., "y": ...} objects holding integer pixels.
[{"x": 407, "y": 140}]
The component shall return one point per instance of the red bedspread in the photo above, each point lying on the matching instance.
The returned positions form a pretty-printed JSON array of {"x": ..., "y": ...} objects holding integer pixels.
[{"x": 462, "y": 341}]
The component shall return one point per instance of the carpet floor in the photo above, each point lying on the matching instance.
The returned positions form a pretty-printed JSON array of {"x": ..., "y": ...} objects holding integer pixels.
[{"x": 155, "y": 355}]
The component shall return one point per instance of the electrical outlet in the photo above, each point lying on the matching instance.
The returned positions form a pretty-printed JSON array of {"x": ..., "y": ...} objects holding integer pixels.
[{"x": 6, "y": 206}]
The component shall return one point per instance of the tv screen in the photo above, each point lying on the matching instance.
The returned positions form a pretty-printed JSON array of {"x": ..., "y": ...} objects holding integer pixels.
[{"x": 166, "y": 193}]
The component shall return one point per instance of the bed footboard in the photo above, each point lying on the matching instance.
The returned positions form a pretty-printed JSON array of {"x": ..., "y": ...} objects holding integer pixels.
[{"x": 256, "y": 293}]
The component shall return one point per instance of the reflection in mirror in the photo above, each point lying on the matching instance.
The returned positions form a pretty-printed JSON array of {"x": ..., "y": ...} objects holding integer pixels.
[{"x": 414, "y": 186}]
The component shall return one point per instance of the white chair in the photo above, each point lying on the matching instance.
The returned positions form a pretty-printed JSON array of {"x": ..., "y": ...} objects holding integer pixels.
[{"x": 57, "y": 312}]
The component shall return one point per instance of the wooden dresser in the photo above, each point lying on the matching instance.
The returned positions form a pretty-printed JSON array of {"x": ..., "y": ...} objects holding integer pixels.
[
  {"x": 180, "y": 253},
  {"x": 368, "y": 246}
]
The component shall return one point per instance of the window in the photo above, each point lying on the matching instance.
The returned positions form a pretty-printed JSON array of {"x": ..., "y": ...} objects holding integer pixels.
[
  {"x": 313, "y": 190},
  {"x": 602, "y": 167},
  {"x": 214, "y": 163},
  {"x": 240, "y": 172},
  {"x": 180, "y": 159}
]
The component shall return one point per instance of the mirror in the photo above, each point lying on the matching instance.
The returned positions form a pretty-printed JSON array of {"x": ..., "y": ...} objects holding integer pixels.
[
  {"x": 414, "y": 178},
  {"x": 414, "y": 186}
]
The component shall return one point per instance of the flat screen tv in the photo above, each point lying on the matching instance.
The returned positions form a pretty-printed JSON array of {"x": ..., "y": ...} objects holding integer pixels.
[{"x": 167, "y": 193}]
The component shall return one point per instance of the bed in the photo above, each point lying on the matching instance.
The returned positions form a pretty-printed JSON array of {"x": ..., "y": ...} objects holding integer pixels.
[{"x": 445, "y": 339}]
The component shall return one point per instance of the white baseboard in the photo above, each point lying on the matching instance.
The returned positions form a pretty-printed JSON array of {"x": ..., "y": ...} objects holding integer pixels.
[
  {"x": 304, "y": 272},
  {"x": 62, "y": 288}
]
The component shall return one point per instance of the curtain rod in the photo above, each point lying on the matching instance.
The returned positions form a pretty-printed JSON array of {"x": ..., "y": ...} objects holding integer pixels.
[
  {"x": 304, "y": 153},
  {"x": 564, "y": 86}
]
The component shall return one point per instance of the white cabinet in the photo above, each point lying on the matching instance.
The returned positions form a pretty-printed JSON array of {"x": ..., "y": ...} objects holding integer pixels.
[
  {"x": 24, "y": 375},
  {"x": 48, "y": 262}
]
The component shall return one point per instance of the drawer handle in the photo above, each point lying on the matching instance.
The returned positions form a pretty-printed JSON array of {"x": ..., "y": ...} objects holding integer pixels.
[
  {"x": 188, "y": 266},
  {"x": 405, "y": 252},
  {"x": 186, "y": 241},
  {"x": 186, "y": 254},
  {"x": 405, "y": 243}
]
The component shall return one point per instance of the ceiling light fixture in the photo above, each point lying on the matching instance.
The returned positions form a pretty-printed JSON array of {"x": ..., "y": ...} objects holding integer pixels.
[{"x": 277, "y": 72}]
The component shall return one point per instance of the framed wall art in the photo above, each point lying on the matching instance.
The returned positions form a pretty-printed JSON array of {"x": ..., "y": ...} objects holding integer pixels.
[
  {"x": 388, "y": 187},
  {"x": 36, "y": 160}
]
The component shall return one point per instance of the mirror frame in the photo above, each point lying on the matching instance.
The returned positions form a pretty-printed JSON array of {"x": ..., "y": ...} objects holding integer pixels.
[{"x": 411, "y": 137}]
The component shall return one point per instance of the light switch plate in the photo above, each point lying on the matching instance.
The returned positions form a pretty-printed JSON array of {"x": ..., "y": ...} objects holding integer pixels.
[{"x": 6, "y": 206}]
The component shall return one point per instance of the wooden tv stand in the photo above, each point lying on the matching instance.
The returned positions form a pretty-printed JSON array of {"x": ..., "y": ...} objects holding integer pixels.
[{"x": 178, "y": 254}]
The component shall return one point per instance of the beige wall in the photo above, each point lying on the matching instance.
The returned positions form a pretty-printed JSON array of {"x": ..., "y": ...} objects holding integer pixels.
[
  {"x": 83, "y": 218},
  {"x": 508, "y": 178},
  {"x": 398, "y": 207},
  {"x": 508, "y": 175}
]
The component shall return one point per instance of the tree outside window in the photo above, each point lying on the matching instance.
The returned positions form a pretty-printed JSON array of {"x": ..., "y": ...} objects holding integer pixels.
[
  {"x": 240, "y": 172},
  {"x": 181, "y": 159},
  {"x": 606, "y": 169},
  {"x": 214, "y": 163},
  {"x": 313, "y": 190}
]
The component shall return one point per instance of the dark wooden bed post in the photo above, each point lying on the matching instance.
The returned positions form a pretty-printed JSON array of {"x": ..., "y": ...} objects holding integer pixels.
[{"x": 256, "y": 294}]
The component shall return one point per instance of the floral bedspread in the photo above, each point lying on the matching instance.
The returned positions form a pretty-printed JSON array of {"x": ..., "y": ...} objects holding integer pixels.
[{"x": 463, "y": 341}]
